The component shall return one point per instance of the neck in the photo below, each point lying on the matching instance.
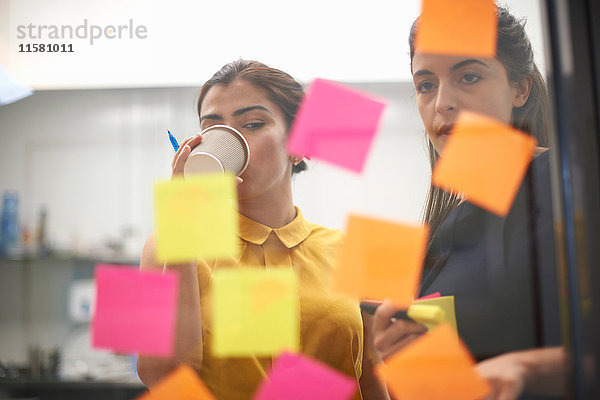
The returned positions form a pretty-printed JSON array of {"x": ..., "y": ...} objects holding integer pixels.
[{"x": 272, "y": 210}]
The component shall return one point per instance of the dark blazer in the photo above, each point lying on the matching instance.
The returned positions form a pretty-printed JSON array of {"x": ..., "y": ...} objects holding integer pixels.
[{"x": 502, "y": 271}]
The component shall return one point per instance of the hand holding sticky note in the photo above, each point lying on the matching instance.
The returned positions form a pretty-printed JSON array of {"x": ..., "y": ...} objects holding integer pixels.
[
  {"x": 434, "y": 366},
  {"x": 381, "y": 259},
  {"x": 135, "y": 310},
  {"x": 195, "y": 218},
  {"x": 485, "y": 161},
  {"x": 255, "y": 312},
  {"x": 429, "y": 311},
  {"x": 336, "y": 124}
]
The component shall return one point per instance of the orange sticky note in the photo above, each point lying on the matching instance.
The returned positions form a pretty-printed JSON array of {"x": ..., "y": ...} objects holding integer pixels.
[
  {"x": 381, "y": 259},
  {"x": 457, "y": 27},
  {"x": 183, "y": 384},
  {"x": 435, "y": 366},
  {"x": 485, "y": 161}
]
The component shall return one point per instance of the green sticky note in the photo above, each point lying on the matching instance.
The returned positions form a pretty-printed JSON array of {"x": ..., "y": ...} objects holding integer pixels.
[
  {"x": 255, "y": 311},
  {"x": 195, "y": 218}
]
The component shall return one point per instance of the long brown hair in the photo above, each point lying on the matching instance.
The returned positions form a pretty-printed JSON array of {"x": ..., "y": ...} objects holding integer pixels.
[
  {"x": 282, "y": 89},
  {"x": 514, "y": 51}
]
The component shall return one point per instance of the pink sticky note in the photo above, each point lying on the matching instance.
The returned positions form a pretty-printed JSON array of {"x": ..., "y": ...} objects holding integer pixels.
[
  {"x": 336, "y": 124},
  {"x": 431, "y": 296},
  {"x": 135, "y": 310},
  {"x": 297, "y": 377}
]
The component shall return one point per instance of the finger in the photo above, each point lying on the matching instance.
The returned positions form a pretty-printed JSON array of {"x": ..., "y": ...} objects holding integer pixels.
[
  {"x": 238, "y": 180},
  {"x": 392, "y": 334},
  {"x": 180, "y": 160},
  {"x": 397, "y": 335},
  {"x": 400, "y": 332},
  {"x": 195, "y": 140},
  {"x": 406, "y": 340},
  {"x": 179, "y": 150},
  {"x": 190, "y": 142},
  {"x": 401, "y": 327},
  {"x": 383, "y": 314}
]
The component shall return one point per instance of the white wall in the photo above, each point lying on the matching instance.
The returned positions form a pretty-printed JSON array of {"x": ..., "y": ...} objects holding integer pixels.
[
  {"x": 91, "y": 157},
  {"x": 186, "y": 41}
]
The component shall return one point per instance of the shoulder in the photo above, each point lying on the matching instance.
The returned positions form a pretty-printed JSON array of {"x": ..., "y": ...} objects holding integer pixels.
[
  {"x": 542, "y": 159},
  {"x": 541, "y": 180},
  {"x": 325, "y": 235}
]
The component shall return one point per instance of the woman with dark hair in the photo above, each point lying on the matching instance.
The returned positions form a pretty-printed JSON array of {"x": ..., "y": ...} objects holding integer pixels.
[
  {"x": 261, "y": 102},
  {"x": 501, "y": 271}
]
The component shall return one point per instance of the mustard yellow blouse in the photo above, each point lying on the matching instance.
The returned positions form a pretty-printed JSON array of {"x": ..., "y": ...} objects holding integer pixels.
[{"x": 331, "y": 328}]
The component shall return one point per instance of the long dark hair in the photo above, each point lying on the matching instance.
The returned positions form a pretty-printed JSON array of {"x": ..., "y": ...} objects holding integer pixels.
[
  {"x": 282, "y": 89},
  {"x": 514, "y": 51}
]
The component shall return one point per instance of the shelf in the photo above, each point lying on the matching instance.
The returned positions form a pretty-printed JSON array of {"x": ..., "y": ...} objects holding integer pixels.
[
  {"x": 67, "y": 259},
  {"x": 55, "y": 383},
  {"x": 55, "y": 389}
]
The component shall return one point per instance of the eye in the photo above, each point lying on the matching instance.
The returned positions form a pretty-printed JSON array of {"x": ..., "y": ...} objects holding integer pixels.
[
  {"x": 424, "y": 87},
  {"x": 254, "y": 125},
  {"x": 470, "y": 78}
]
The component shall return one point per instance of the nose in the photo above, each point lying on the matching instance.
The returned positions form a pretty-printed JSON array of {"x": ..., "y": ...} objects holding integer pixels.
[{"x": 446, "y": 100}]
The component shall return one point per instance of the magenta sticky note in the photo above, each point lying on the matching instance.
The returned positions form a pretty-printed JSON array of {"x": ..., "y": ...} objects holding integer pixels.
[
  {"x": 297, "y": 377},
  {"x": 135, "y": 310},
  {"x": 431, "y": 296},
  {"x": 337, "y": 124}
]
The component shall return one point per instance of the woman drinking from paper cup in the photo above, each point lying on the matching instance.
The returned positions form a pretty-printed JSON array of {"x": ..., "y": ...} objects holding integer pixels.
[
  {"x": 260, "y": 103},
  {"x": 500, "y": 269}
]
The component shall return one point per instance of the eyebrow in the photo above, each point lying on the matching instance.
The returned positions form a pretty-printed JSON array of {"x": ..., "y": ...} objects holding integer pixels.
[
  {"x": 237, "y": 112},
  {"x": 467, "y": 62},
  {"x": 454, "y": 67}
]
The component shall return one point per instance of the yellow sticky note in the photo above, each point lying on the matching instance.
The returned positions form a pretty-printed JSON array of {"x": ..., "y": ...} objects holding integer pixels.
[
  {"x": 434, "y": 366},
  {"x": 485, "y": 161},
  {"x": 381, "y": 259},
  {"x": 430, "y": 316},
  {"x": 195, "y": 218},
  {"x": 457, "y": 27},
  {"x": 446, "y": 303},
  {"x": 255, "y": 312},
  {"x": 183, "y": 384}
]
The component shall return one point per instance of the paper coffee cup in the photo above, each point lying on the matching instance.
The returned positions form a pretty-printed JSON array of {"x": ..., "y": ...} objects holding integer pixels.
[{"x": 223, "y": 149}]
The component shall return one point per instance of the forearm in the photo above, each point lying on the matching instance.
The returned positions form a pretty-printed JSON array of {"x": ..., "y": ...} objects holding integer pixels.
[
  {"x": 540, "y": 371},
  {"x": 188, "y": 330},
  {"x": 370, "y": 385},
  {"x": 547, "y": 370}
]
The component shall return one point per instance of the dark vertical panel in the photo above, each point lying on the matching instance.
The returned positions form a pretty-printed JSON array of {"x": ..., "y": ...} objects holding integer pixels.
[{"x": 572, "y": 30}]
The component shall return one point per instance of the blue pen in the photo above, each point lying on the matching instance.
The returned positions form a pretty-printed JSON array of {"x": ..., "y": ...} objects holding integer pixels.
[{"x": 173, "y": 140}]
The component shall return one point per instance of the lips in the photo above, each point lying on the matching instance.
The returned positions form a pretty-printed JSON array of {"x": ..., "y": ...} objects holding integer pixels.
[{"x": 445, "y": 129}]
